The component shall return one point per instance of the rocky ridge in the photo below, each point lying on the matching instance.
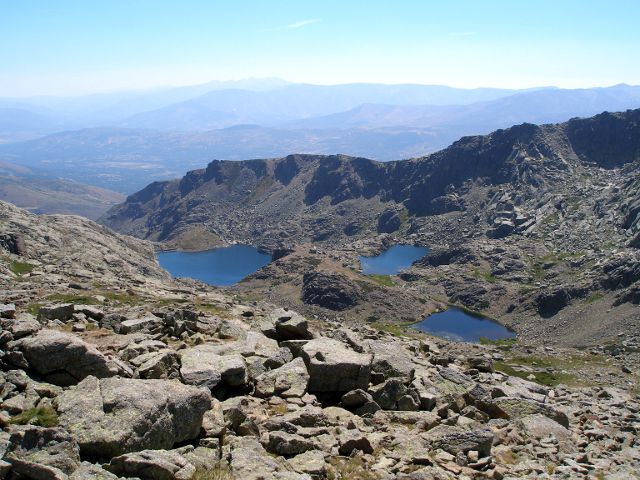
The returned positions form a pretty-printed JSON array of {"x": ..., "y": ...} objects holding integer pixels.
[
  {"x": 117, "y": 371},
  {"x": 534, "y": 226}
]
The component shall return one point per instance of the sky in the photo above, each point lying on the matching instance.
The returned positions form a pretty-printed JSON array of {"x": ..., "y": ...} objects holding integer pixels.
[{"x": 72, "y": 47}]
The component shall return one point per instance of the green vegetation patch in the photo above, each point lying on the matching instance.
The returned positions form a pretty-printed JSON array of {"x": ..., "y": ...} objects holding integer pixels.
[
  {"x": 20, "y": 268},
  {"x": 551, "y": 370},
  {"x": 396, "y": 329},
  {"x": 40, "y": 416},
  {"x": 594, "y": 297},
  {"x": 75, "y": 299},
  {"x": 382, "y": 280},
  {"x": 503, "y": 343}
]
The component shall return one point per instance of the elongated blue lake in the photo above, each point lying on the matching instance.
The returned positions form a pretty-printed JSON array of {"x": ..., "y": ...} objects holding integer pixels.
[
  {"x": 460, "y": 326},
  {"x": 393, "y": 260},
  {"x": 220, "y": 266}
]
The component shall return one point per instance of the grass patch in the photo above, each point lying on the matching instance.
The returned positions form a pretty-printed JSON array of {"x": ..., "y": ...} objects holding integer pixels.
[
  {"x": 541, "y": 377},
  {"x": 248, "y": 298},
  {"x": 20, "y": 268},
  {"x": 484, "y": 275},
  {"x": 382, "y": 280},
  {"x": 40, "y": 416},
  {"x": 75, "y": 299},
  {"x": 594, "y": 297},
  {"x": 395, "y": 329},
  {"x": 505, "y": 343},
  {"x": 34, "y": 308},
  {"x": 167, "y": 302},
  {"x": 212, "y": 309},
  {"x": 124, "y": 298},
  {"x": 551, "y": 371}
]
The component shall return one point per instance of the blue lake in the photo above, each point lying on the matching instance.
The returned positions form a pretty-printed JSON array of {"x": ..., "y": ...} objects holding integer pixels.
[
  {"x": 460, "y": 326},
  {"x": 220, "y": 266},
  {"x": 393, "y": 260}
]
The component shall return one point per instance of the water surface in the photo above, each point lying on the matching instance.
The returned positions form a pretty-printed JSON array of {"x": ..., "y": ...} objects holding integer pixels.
[
  {"x": 460, "y": 326},
  {"x": 392, "y": 260},
  {"x": 220, "y": 266}
]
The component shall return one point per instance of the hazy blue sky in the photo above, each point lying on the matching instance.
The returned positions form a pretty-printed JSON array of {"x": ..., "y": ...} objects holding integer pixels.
[{"x": 79, "y": 46}]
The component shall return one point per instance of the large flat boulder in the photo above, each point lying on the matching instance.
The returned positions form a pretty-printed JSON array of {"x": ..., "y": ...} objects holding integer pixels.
[
  {"x": 113, "y": 416},
  {"x": 153, "y": 465},
  {"x": 290, "y": 380},
  {"x": 204, "y": 366},
  {"x": 64, "y": 359},
  {"x": 333, "y": 367}
]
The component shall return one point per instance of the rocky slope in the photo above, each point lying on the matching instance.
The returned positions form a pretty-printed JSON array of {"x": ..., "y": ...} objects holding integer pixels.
[
  {"x": 110, "y": 370},
  {"x": 536, "y": 226}
]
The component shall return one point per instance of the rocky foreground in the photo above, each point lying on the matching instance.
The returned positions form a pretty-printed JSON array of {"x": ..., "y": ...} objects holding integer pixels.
[{"x": 111, "y": 370}]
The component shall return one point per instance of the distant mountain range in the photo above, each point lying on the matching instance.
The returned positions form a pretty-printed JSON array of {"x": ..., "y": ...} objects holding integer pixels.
[{"x": 123, "y": 141}]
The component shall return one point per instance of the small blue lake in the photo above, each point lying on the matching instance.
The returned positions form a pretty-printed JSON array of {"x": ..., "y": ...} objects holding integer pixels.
[
  {"x": 393, "y": 260},
  {"x": 220, "y": 266},
  {"x": 460, "y": 326}
]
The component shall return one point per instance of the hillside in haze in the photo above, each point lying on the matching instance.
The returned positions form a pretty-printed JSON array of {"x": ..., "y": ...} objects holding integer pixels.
[
  {"x": 38, "y": 192},
  {"x": 175, "y": 139}
]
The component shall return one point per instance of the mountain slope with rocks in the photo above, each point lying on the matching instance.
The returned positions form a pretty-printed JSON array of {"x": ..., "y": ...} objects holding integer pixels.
[
  {"x": 110, "y": 369},
  {"x": 535, "y": 226}
]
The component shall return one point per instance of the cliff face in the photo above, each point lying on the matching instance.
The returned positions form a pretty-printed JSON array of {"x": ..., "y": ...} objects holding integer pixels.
[{"x": 312, "y": 197}]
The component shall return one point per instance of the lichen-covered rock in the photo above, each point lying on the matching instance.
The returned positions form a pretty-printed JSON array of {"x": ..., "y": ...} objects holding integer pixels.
[
  {"x": 455, "y": 439},
  {"x": 290, "y": 380},
  {"x": 333, "y": 367},
  {"x": 153, "y": 465},
  {"x": 42, "y": 453},
  {"x": 113, "y": 416},
  {"x": 64, "y": 359},
  {"x": 204, "y": 366}
]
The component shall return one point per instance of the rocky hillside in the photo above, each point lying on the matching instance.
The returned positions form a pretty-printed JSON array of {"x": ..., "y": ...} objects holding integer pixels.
[
  {"x": 535, "y": 226},
  {"x": 302, "y": 197},
  {"x": 111, "y": 370}
]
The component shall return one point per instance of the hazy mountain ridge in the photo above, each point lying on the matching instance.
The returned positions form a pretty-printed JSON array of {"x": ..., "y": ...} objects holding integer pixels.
[
  {"x": 526, "y": 154},
  {"x": 127, "y": 159}
]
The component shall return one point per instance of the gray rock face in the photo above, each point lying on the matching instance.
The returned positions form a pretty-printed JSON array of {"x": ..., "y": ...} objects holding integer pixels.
[
  {"x": 138, "y": 324},
  {"x": 7, "y": 310},
  {"x": 64, "y": 359},
  {"x": 250, "y": 461},
  {"x": 90, "y": 471},
  {"x": 153, "y": 465},
  {"x": 22, "y": 325},
  {"x": 56, "y": 312},
  {"x": 113, "y": 416},
  {"x": 389, "y": 222},
  {"x": 13, "y": 243},
  {"x": 43, "y": 453},
  {"x": 333, "y": 367},
  {"x": 284, "y": 443},
  {"x": 329, "y": 290},
  {"x": 289, "y": 325},
  {"x": 162, "y": 364},
  {"x": 519, "y": 407},
  {"x": 455, "y": 440},
  {"x": 204, "y": 366},
  {"x": 290, "y": 380}
]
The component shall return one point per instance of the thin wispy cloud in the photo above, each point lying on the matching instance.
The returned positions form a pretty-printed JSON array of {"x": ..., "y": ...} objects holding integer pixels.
[
  {"x": 461, "y": 34},
  {"x": 295, "y": 25},
  {"x": 303, "y": 23}
]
